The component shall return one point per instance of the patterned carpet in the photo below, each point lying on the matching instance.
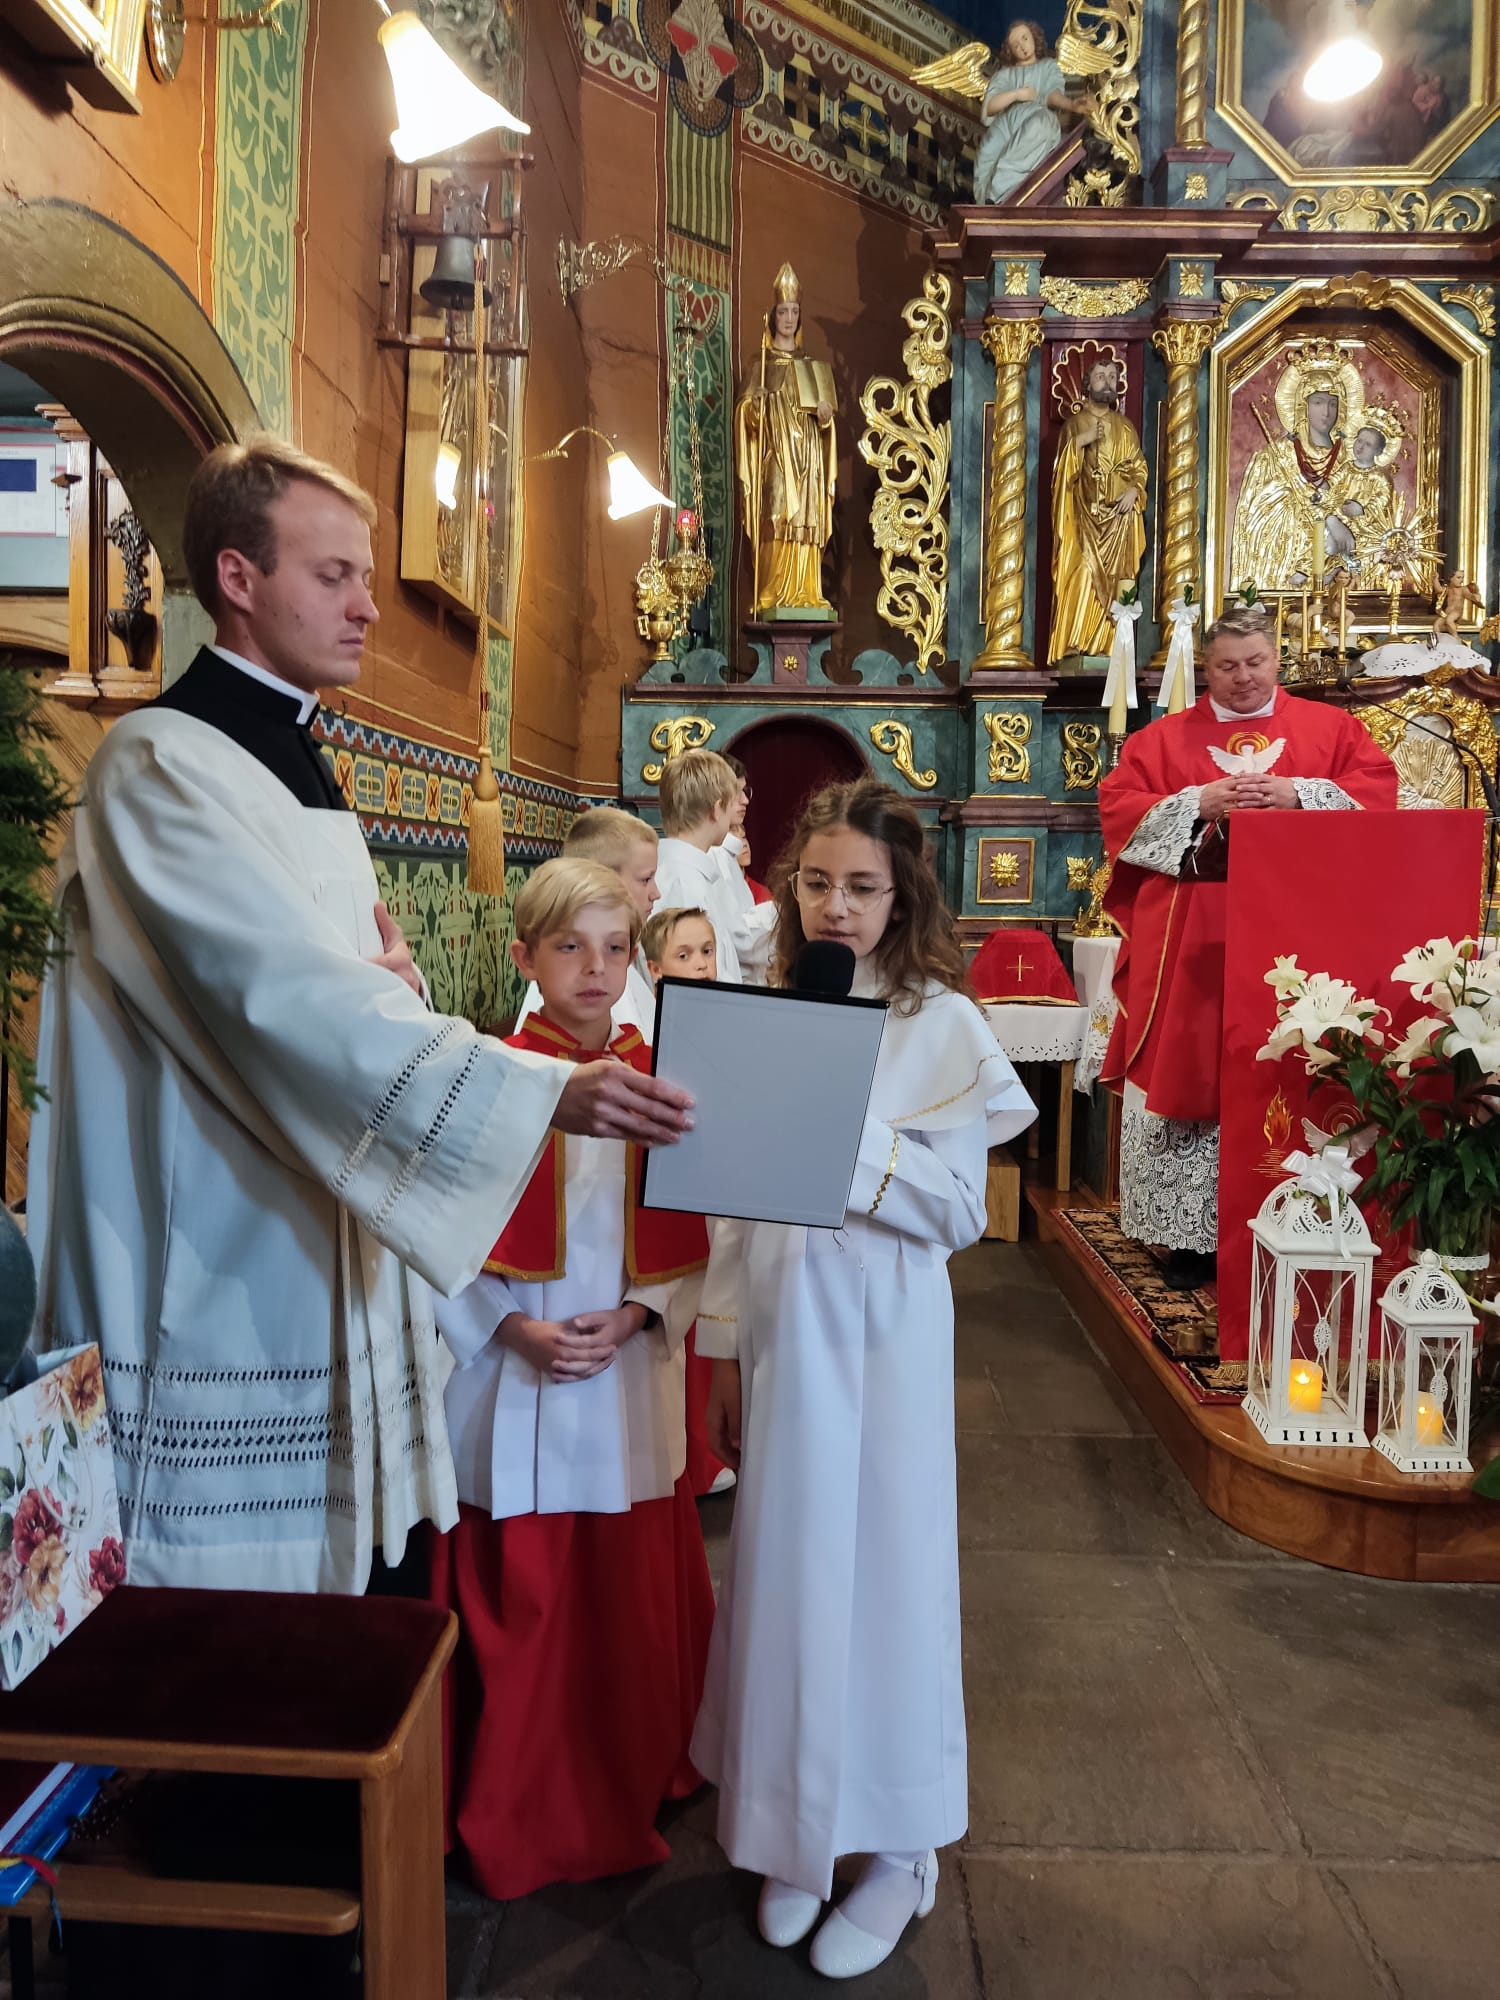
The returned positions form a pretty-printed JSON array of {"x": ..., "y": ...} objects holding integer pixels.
[{"x": 1184, "y": 1325}]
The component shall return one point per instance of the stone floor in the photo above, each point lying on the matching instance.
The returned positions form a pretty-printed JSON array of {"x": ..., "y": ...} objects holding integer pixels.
[{"x": 1196, "y": 1768}]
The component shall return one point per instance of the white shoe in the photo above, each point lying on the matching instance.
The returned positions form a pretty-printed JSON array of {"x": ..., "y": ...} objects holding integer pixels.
[
  {"x": 785, "y": 1915},
  {"x": 841, "y": 1950},
  {"x": 724, "y": 1480}
]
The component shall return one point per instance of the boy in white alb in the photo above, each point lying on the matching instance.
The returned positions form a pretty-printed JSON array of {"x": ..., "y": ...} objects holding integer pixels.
[
  {"x": 577, "y": 1566},
  {"x": 618, "y": 840},
  {"x": 700, "y": 799}
]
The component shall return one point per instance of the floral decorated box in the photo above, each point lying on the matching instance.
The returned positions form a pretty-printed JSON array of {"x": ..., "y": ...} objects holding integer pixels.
[{"x": 60, "y": 1547}]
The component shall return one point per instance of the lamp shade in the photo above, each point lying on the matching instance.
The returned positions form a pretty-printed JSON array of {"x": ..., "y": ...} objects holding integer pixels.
[
  {"x": 630, "y": 491},
  {"x": 437, "y": 107},
  {"x": 1342, "y": 69}
]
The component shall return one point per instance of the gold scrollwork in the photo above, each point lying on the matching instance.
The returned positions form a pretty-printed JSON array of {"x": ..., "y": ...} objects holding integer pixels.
[
  {"x": 894, "y": 738},
  {"x": 910, "y": 452},
  {"x": 1083, "y": 301},
  {"x": 679, "y": 733},
  {"x": 1401, "y": 210},
  {"x": 1101, "y": 41},
  {"x": 1432, "y": 771},
  {"x": 1478, "y": 300},
  {"x": 1010, "y": 760},
  {"x": 1080, "y": 757},
  {"x": 1098, "y": 183},
  {"x": 1235, "y": 292}
]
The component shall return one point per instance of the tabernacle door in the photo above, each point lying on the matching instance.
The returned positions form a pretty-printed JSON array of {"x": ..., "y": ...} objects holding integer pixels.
[{"x": 1347, "y": 893}]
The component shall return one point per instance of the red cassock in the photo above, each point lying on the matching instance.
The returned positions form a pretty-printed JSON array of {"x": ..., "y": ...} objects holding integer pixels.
[
  {"x": 583, "y": 1637},
  {"x": 1169, "y": 978}
]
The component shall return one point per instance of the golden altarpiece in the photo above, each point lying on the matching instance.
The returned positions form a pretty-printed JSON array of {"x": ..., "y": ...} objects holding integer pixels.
[{"x": 1220, "y": 337}]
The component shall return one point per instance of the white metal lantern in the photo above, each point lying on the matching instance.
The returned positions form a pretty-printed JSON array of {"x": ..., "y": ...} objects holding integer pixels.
[
  {"x": 1309, "y": 1317},
  {"x": 1426, "y": 1370}
]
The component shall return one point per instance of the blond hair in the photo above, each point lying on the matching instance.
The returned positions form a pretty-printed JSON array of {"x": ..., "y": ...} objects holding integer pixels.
[
  {"x": 656, "y": 938},
  {"x": 556, "y": 895},
  {"x": 1240, "y": 621},
  {"x": 691, "y": 786},
  {"x": 607, "y": 834},
  {"x": 229, "y": 502}
]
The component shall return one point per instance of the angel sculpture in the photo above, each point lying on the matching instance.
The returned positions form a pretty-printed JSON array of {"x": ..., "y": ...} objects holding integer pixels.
[
  {"x": 1247, "y": 763},
  {"x": 1020, "y": 102},
  {"x": 1453, "y": 601}
]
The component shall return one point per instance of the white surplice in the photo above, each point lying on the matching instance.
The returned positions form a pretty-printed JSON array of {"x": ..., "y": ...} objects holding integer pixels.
[
  {"x": 255, "y": 1143},
  {"x": 523, "y": 1444},
  {"x": 687, "y": 878},
  {"x": 833, "y": 1718}
]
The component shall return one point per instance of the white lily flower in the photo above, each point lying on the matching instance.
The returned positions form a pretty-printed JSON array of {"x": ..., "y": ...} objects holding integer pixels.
[
  {"x": 1428, "y": 965},
  {"x": 1287, "y": 978},
  {"x": 1418, "y": 1043},
  {"x": 1469, "y": 1029}
]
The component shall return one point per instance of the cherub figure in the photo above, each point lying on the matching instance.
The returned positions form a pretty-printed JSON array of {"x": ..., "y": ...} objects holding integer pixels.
[{"x": 1455, "y": 597}]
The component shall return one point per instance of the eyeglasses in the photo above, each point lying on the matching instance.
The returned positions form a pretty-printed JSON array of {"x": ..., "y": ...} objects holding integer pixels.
[{"x": 815, "y": 888}]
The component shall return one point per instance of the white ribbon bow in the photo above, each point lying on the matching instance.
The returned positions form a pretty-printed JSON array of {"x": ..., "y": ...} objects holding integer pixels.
[
  {"x": 1122, "y": 653},
  {"x": 1328, "y": 1175},
  {"x": 1179, "y": 654}
]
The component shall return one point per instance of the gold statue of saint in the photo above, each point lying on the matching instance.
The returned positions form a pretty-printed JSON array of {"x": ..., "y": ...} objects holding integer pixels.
[
  {"x": 1098, "y": 535},
  {"x": 785, "y": 458},
  {"x": 1296, "y": 499}
]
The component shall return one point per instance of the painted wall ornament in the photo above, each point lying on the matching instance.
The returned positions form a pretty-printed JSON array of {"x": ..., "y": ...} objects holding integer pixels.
[{"x": 713, "y": 64}]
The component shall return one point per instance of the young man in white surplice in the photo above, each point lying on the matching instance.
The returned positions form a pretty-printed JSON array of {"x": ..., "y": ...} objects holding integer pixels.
[
  {"x": 701, "y": 798},
  {"x": 833, "y": 1719}
]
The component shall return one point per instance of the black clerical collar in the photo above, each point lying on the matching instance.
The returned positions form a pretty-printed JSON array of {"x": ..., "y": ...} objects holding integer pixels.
[{"x": 261, "y": 679}]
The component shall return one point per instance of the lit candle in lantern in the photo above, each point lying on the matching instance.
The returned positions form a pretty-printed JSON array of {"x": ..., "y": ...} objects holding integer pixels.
[
  {"x": 1304, "y": 1389},
  {"x": 1429, "y": 1424}
]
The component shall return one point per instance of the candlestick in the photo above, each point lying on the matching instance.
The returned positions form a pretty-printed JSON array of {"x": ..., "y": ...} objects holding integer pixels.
[
  {"x": 1343, "y": 621},
  {"x": 1318, "y": 554},
  {"x": 1280, "y": 621},
  {"x": 1304, "y": 1389},
  {"x": 1117, "y": 709},
  {"x": 1305, "y": 639},
  {"x": 1429, "y": 1423}
]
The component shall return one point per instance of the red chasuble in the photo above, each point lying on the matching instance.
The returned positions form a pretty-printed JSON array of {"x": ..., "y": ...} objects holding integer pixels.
[
  {"x": 533, "y": 1246},
  {"x": 1169, "y": 978}
]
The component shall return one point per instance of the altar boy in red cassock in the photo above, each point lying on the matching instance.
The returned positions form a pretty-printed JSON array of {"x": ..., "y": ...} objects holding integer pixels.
[
  {"x": 1166, "y": 811},
  {"x": 577, "y": 1567}
]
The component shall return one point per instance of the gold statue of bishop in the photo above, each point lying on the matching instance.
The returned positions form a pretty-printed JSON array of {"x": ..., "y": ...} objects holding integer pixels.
[
  {"x": 785, "y": 456},
  {"x": 1098, "y": 535}
]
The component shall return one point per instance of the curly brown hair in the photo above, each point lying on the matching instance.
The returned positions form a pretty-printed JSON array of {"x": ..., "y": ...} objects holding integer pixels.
[
  {"x": 920, "y": 945},
  {"x": 1041, "y": 47}
]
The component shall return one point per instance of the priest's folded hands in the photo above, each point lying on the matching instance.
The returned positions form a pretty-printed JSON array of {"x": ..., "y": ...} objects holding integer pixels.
[{"x": 1253, "y": 791}]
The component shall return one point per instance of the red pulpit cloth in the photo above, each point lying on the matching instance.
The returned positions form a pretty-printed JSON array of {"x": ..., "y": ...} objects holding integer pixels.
[
  {"x": 1344, "y": 893},
  {"x": 1020, "y": 965}
]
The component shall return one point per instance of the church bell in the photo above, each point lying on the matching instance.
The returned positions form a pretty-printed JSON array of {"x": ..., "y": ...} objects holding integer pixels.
[{"x": 449, "y": 286}]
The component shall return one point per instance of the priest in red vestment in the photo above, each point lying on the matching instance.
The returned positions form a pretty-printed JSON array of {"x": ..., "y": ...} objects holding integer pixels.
[{"x": 1166, "y": 811}]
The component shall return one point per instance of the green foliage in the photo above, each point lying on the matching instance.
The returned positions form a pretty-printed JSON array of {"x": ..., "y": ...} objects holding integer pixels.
[{"x": 33, "y": 798}]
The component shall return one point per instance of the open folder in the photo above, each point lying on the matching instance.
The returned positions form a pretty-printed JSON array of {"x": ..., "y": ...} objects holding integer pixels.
[{"x": 780, "y": 1083}]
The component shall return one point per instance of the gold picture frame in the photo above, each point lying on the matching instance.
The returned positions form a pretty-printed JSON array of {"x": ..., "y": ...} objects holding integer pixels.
[
  {"x": 1436, "y": 156},
  {"x": 108, "y": 32},
  {"x": 1004, "y": 869},
  {"x": 1463, "y": 534}
]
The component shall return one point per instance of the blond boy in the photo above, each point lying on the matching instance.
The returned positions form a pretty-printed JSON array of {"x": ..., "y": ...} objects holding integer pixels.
[
  {"x": 700, "y": 798},
  {"x": 681, "y": 944},
  {"x": 619, "y": 841}
]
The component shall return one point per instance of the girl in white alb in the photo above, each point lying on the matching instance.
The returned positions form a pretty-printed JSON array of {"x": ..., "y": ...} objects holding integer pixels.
[{"x": 832, "y": 1718}]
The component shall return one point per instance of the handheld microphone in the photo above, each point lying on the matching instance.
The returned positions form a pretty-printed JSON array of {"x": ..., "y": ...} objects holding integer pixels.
[{"x": 824, "y": 967}]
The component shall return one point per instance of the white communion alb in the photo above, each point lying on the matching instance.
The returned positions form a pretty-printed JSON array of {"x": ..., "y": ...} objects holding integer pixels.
[
  {"x": 833, "y": 1717},
  {"x": 259, "y": 1153}
]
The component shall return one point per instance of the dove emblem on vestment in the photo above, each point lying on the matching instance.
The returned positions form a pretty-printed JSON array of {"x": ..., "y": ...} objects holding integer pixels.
[{"x": 1247, "y": 763}]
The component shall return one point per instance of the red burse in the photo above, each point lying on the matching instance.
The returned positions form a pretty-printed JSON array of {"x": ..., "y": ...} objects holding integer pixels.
[
  {"x": 1021, "y": 966},
  {"x": 583, "y": 1637},
  {"x": 1169, "y": 977}
]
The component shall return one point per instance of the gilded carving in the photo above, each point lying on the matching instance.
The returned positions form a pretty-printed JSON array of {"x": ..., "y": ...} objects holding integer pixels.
[
  {"x": 1195, "y": 187},
  {"x": 1190, "y": 281},
  {"x": 672, "y": 737},
  {"x": 1235, "y": 292},
  {"x": 910, "y": 452},
  {"x": 1182, "y": 344},
  {"x": 1101, "y": 301},
  {"x": 894, "y": 739},
  {"x": 1092, "y": 921},
  {"x": 1478, "y": 300},
  {"x": 1010, "y": 760},
  {"x": 1080, "y": 869},
  {"x": 1101, "y": 42},
  {"x": 1097, "y": 184},
  {"x": 1005, "y": 868},
  {"x": 1080, "y": 756},
  {"x": 1010, "y": 343},
  {"x": 1432, "y": 759},
  {"x": 1400, "y": 211},
  {"x": 1016, "y": 286},
  {"x": 1192, "y": 82}
]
